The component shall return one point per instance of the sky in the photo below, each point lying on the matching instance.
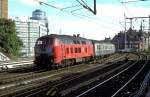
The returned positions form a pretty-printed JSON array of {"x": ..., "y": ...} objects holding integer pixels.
[{"x": 108, "y": 21}]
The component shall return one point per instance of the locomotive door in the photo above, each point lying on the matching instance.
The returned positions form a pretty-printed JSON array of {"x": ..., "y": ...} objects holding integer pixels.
[{"x": 63, "y": 51}]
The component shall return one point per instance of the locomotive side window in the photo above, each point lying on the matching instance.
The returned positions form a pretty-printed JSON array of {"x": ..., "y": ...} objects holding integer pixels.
[
  {"x": 44, "y": 40},
  {"x": 67, "y": 50},
  {"x": 79, "y": 50},
  {"x": 71, "y": 50},
  {"x": 76, "y": 50},
  {"x": 86, "y": 50},
  {"x": 76, "y": 42}
]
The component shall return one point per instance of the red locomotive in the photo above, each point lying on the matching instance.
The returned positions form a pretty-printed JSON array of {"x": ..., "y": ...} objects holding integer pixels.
[{"x": 61, "y": 50}]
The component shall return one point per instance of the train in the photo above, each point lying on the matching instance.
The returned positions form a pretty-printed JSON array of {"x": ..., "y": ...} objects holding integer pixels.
[{"x": 62, "y": 50}]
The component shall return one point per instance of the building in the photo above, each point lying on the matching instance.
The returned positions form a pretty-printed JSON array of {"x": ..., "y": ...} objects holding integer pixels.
[
  {"x": 28, "y": 31},
  {"x": 119, "y": 41},
  {"x": 40, "y": 16},
  {"x": 3, "y": 8},
  {"x": 137, "y": 40}
]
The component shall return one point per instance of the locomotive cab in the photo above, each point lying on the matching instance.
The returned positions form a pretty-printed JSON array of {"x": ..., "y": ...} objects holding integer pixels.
[{"x": 44, "y": 51}]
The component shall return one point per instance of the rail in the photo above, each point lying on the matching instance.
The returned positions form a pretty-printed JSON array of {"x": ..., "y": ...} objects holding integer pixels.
[
  {"x": 12, "y": 65},
  {"x": 143, "y": 87},
  {"x": 35, "y": 81},
  {"x": 67, "y": 85},
  {"x": 118, "y": 91}
]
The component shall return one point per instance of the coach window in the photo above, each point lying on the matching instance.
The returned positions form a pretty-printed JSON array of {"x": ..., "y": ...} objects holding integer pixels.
[
  {"x": 106, "y": 47},
  {"x": 97, "y": 47}
]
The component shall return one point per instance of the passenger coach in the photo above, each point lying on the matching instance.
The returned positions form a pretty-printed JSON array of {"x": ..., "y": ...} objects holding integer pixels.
[{"x": 102, "y": 48}]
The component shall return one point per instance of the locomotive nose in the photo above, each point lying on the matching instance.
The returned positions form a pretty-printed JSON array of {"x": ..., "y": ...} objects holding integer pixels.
[{"x": 43, "y": 50}]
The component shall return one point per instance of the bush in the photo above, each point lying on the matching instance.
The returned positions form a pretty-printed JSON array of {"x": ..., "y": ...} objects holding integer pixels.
[{"x": 9, "y": 41}]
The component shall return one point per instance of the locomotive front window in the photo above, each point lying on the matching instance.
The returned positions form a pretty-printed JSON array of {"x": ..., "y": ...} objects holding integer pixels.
[
  {"x": 44, "y": 41},
  {"x": 39, "y": 42}
]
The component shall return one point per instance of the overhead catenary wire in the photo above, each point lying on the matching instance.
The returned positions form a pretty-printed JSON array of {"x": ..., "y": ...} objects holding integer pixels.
[
  {"x": 84, "y": 2},
  {"x": 127, "y": 9},
  {"x": 76, "y": 10},
  {"x": 80, "y": 3},
  {"x": 90, "y": 19},
  {"x": 62, "y": 9},
  {"x": 70, "y": 7},
  {"x": 131, "y": 1},
  {"x": 87, "y": 7}
]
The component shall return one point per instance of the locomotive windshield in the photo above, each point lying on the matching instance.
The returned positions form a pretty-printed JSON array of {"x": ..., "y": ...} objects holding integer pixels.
[{"x": 44, "y": 41}]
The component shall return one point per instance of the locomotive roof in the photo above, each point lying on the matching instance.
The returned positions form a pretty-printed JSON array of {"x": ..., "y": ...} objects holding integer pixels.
[{"x": 66, "y": 37}]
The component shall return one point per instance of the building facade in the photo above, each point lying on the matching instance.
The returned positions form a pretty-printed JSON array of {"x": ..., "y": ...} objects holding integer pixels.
[
  {"x": 136, "y": 40},
  {"x": 3, "y": 8},
  {"x": 28, "y": 31},
  {"x": 40, "y": 16}
]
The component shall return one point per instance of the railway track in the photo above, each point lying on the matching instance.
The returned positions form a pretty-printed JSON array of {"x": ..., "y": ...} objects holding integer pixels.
[
  {"x": 124, "y": 84},
  {"x": 40, "y": 79},
  {"x": 68, "y": 81},
  {"x": 5, "y": 66},
  {"x": 13, "y": 75},
  {"x": 27, "y": 64}
]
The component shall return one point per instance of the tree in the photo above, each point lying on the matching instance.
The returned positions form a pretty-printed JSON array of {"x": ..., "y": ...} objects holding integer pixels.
[{"x": 9, "y": 41}]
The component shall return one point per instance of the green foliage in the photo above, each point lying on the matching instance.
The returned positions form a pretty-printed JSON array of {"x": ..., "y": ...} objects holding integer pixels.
[
  {"x": 147, "y": 52},
  {"x": 9, "y": 41}
]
